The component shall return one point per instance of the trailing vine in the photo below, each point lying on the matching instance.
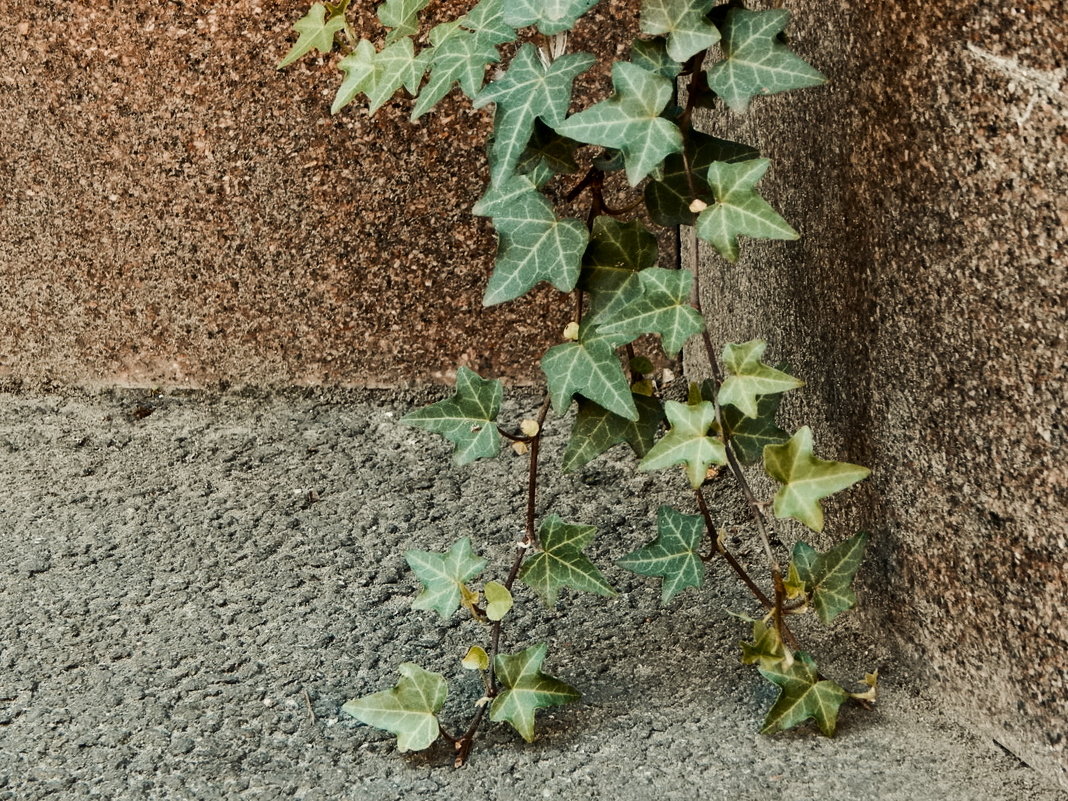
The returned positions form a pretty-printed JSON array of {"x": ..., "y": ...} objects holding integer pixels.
[{"x": 605, "y": 264}]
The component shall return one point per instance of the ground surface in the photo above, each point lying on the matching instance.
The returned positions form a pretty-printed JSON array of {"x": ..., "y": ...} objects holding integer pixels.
[{"x": 192, "y": 586}]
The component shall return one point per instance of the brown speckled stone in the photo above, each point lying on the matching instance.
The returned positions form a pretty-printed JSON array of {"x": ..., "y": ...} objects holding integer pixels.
[{"x": 925, "y": 305}]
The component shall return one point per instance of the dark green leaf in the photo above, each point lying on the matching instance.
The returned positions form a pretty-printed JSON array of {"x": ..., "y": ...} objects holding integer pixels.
[
  {"x": 467, "y": 419},
  {"x": 551, "y": 16},
  {"x": 589, "y": 367},
  {"x": 802, "y": 695},
  {"x": 673, "y": 554},
  {"x": 652, "y": 55},
  {"x": 615, "y": 255},
  {"x": 662, "y": 308},
  {"x": 526, "y": 689},
  {"x": 828, "y": 577},
  {"x": 560, "y": 562},
  {"x": 685, "y": 24},
  {"x": 597, "y": 429}
]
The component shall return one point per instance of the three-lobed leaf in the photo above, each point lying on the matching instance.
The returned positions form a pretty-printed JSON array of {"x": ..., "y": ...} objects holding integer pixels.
[
  {"x": 597, "y": 429},
  {"x": 467, "y": 419},
  {"x": 560, "y": 562},
  {"x": 673, "y": 554},
  {"x": 749, "y": 377},
  {"x": 687, "y": 442},
  {"x": 408, "y": 710},
  {"x": 551, "y": 16},
  {"x": 802, "y": 696},
  {"x": 684, "y": 22},
  {"x": 589, "y": 367},
  {"x": 526, "y": 689},
  {"x": 316, "y": 31},
  {"x": 443, "y": 576},
  {"x": 662, "y": 308},
  {"x": 828, "y": 577}
]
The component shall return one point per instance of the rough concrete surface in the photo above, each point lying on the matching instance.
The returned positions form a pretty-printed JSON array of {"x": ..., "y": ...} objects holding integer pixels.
[
  {"x": 925, "y": 305},
  {"x": 192, "y": 585}
]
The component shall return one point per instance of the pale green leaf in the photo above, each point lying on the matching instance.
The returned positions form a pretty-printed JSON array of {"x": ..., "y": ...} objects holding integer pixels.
[
  {"x": 526, "y": 689},
  {"x": 617, "y": 252},
  {"x": 457, "y": 56},
  {"x": 467, "y": 419},
  {"x": 673, "y": 554},
  {"x": 443, "y": 575},
  {"x": 766, "y": 649},
  {"x": 806, "y": 479},
  {"x": 408, "y": 710},
  {"x": 749, "y": 377},
  {"x": 498, "y": 600},
  {"x": 551, "y": 16},
  {"x": 476, "y": 658},
  {"x": 560, "y": 562},
  {"x": 630, "y": 121},
  {"x": 684, "y": 22},
  {"x": 402, "y": 16},
  {"x": 687, "y": 442},
  {"x": 487, "y": 20},
  {"x": 828, "y": 577},
  {"x": 662, "y": 308},
  {"x": 597, "y": 429},
  {"x": 589, "y": 367},
  {"x": 802, "y": 695},
  {"x": 316, "y": 33},
  {"x": 379, "y": 74}
]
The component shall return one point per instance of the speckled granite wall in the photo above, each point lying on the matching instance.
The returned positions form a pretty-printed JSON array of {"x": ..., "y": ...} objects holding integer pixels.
[{"x": 926, "y": 305}]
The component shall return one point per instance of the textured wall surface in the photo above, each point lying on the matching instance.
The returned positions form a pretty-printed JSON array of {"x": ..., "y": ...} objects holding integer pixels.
[{"x": 925, "y": 305}]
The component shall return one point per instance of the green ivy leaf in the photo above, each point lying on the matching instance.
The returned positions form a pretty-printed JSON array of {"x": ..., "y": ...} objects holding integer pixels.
[
  {"x": 766, "y": 649},
  {"x": 591, "y": 368},
  {"x": 668, "y": 199},
  {"x": 616, "y": 254},
  {"x": 379, "y": 74},
  {"x": 529, "y": 90},
  {"x": 551, "y": 16},
  {"x": 652, "y": 55},
  {"x": 527, "y": 689},
  {"x": 467, "y": 419},
  {"x": 806, "y": 479},
  {"x": 757, "y": 62},
  {"x": 316, "y": 33},
  {"x": 662, "y": 308},
  {"x": 750, "y": 435},
  {"x": 684, "y": 22},
  {"x": 828, "y": 577},
  {"x": 597, "y": 429},
  {"x": 750, "y": 378},
  {"x": 487, "y": 20},
  {"x": 802, "y": 695},
  {"x": 738, "y": 209},
  {"x": 498, "y": 600},
  {"x": 672, "y": 555},
  {"x": 687, "y": 442},
  {"x": 443, "y": 575},
  {"x": 547, "y": 154},
  {"x": 408, "y": 710},
  {"x": 457, "y": 56},
  {"x": 630, "y": 121},
  {"x": 402, "y": 16},
  {"x": 534, "y": 245},
  {"x": 560, "y": 562}
]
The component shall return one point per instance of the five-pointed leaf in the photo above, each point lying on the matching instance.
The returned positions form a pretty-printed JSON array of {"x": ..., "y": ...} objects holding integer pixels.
[
  {"x": 750, "y": 378},
  {"x": 466, "y": 419},
  {"x": 766, "y": 649},
  {"x": 402, "y": 16},
  {"x": 551, "y": 16},
  {"x": 408, "y": 710},
  {"x": 379, "y": 74},
  {"x": 560, "y": 562},
  {"x": 828, "y": 577},
  {"x": 528, "y": 90},
  {"x": 457, "y": 56},
  {"x": 591, "y": 368},
  {"x": 610, "y": 266},
  {"x": 630, "y": 121},
  {"x": 673, "y": 554},
  {"x": 533, "y": 244},
  {"x": 757, "y": 63},
  {"x": 662, "y": 308},
  {"x": 806, "y": 478},
  {"x": 802, "y": 695},
  {"x": 316, "y": 33},
  {"x": 684, "y": 22},
  {"x": 738, "y": 209},
  {"x": 668, "y": 198},
  {"x": 443, "y": 575},
  {"x": 527, "y": 689},
  {"x": 687, "y": 442},
  {"x": 597, "y": 429}
]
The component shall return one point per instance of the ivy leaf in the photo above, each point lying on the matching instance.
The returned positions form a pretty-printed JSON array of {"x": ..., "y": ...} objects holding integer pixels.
[
  {"x": 487, "y": 20},
  {"x": 498, "y": 600},
  {"x": 802, "y": 695},
  {"x": 476, "y": 658},
  {"x": 750, "y": 435},
  {"x": 806, "y": 478},
  {"x": 529, "y": 90},
  {"x": 551, "y": 16},
  {"x": 630, "y": 121},
  {"x": 443, "y": 575},
  {"x": 757, "y": 63},
  {"x": 662, "y": 308},
  {"x": 379, "y": 74},
  {"x": 408, "y": 710},
  {"x": 597, "y": 429},
  {"x": 738, "y": 209},
  {"x": 402, "y": 16},
  {"x": 457, "y": 56},
  {"x": 766, "y": 649},
  {"x": 591, "y": 368},
  {"x": 828, "y": 577},
  {"x": 687, "y": 442},
  {"x": 616, "y": 254},
  {"x": 685, "y": 24},
  {"x": 534, "y": 245},
  {"x": 547, "y": 154},
  {"x": 652, "y": 55},
  {"x": 527, "y": 689},
  {"x": 467, "y": 419},
  {"x": 316, "y": 33},
  {"x": 560, "y": 562},
  {"x": 668, "y": 199},
  {"x": 672, "y": 555},
  {"x": 750, "y": 378}
]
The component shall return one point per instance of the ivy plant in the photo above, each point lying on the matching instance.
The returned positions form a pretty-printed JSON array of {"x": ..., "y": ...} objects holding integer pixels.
[{"x": 545, "y": 157}]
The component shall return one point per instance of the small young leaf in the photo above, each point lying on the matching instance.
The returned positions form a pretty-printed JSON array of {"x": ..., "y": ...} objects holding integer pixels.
[
  {"x": 672, "y": 555},
  {"x": 739, "y": 210},
  {"x": 687, "y": 442},
  {"x": 402, "y": 16},
  {"x": 806, "y": 479},
  {"x": 652, "y": 55},
  {"x": 443, "y": 575},
  {"x": 379, "y": 74},
  {"x": 498, "y": 600},
  {"x": 589, "y": 367},
  {"x": 597, "y": 429},
  {"x": 316, "y": 33},
  {"x": 684, "y": 22},
  {"x": 750, "y": 378},
  {"x": 802, "y": 695},
  {"x": 766, "y": 649},
  {"x": 408, "y": 710},
  {"x": 457, "y": 56},
  {"x": 467, "y": 419},
  {"x": 828, "y": 577},
  {"x": 551, "y": 16},
  {"x": 476, "y": 658},
  {"x": 630, "y": 121},
  {"x": 617, "y": 252},
  {"x": 662, "y": 308},
  {"x": 527, "y": 689},
  {"x": 757, "y": 63},
  {"x": 560, "y": 562}
]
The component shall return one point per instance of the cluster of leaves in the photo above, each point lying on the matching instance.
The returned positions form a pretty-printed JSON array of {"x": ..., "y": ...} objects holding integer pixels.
[{"x": 610, "y": 262}]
